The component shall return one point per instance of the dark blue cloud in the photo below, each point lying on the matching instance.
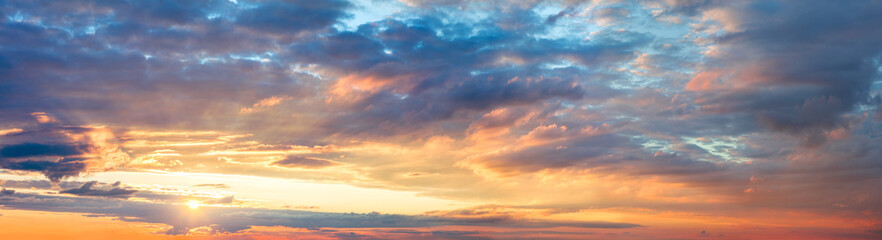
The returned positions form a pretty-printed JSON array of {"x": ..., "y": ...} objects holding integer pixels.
[
  {"x": 346, "y": 50},
  {"x": 291, "y": 17},
  {"x": 54, "y": 160},
  {"x": 37, "y": 149},
  {"x": 54, "y": 170},
  {"x": 59, "y": 151}
]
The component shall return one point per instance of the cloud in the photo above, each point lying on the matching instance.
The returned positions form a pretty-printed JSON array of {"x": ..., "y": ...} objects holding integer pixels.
[
  {"x": 60, "y": 152},
  {"x": 223, "y": 200},
  {"x": 147, "y": 193},
  {"x": 266, "y": 102},
  {"x": 703, "y": 108},
  {"x": 156, "y": 36},
  {"x": 10, "y": 131},
  {"x": 304, "y": 162},
  {"x": 276, "y": 17},
  {"x": 610, "y": 15},
  {"x": 175, "y": 48},
  {"x": 87, "y": 189},
  {"x": 54, "y": 170},
  {"x": 586, "y": 151},
  {"x": 212, "y": 185},
  {"x": 40, "y": 150},
  {"x": 773, "y": 77},
  {"x": 183, "y": 220},
  {"x": 417, "y": 86}
]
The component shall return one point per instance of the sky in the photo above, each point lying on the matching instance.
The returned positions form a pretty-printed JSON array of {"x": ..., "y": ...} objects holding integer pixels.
[{"x": 440, "y": 119}]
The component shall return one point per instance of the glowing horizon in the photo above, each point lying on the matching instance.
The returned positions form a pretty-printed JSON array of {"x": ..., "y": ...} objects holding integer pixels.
[{"x": 440, "y": 119}]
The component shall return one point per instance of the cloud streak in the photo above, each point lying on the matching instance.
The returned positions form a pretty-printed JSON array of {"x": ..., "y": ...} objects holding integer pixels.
[{"x": 237, "y": 219}]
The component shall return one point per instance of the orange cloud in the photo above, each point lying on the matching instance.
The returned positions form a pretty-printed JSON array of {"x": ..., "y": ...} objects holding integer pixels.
[
  {"x": 707, "y": 80},
  {"x": 266, "y": 102}
]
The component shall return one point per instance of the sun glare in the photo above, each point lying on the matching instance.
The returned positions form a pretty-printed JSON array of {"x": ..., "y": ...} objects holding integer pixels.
[{"x": 193, "y": 204}]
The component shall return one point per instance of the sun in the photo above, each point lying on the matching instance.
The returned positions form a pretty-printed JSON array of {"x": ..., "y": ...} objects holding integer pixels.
[{"x": 193, "y": 204}]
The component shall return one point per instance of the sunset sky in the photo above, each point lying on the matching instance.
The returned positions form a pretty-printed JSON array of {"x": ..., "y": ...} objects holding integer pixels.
[{"x": 440, "y": 119}]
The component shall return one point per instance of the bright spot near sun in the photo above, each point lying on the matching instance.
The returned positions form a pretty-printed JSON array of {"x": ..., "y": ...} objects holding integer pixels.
[{"x": 193, "y": 204}]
